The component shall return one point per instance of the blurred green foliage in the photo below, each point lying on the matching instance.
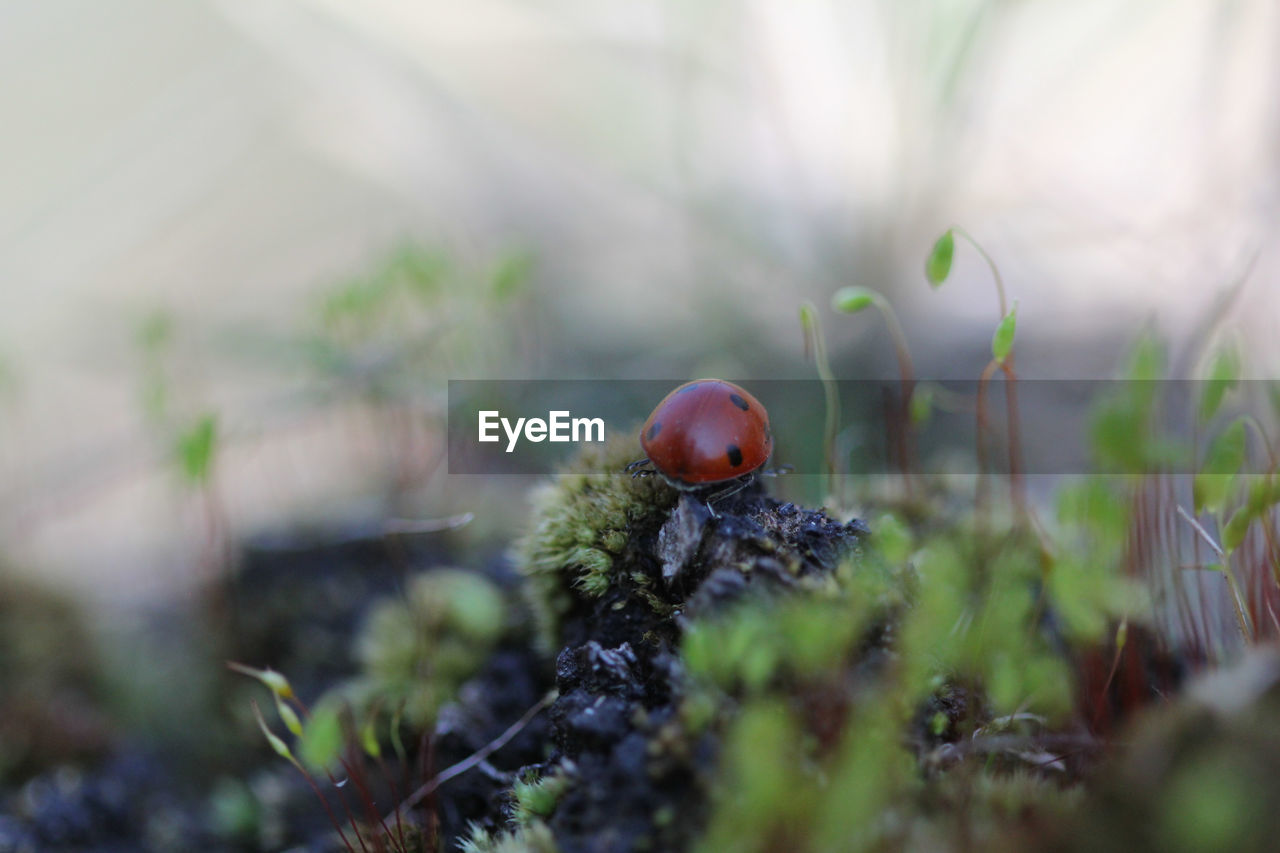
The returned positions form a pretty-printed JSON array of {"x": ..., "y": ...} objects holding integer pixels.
[
  {"x": 416, "y": 651},
  {"x": 825, "y": 697},
  {"x": 417, "y": 315},
  {"x": 907, "y": 701}
]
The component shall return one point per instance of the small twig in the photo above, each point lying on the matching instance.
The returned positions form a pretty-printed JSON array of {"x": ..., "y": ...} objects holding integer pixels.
[
  {"x": 478, "y": 756},
  {"x": 426, "y": 525},
  {"x": 1204, "y": 534}
]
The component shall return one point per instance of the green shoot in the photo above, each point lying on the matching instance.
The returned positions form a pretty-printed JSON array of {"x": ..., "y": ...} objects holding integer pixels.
[
  {"x": 815, "y": 345},
  {"x": 851, "y": 300},
  {"x": 1224, "y": 375},
  {"x": 195, "y": 449}
]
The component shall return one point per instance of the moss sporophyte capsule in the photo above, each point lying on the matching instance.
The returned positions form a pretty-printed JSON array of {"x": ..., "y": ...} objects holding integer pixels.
[{"x": 704, "y": 433}]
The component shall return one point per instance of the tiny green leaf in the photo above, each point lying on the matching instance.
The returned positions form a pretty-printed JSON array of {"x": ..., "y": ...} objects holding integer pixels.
[
  {"x": 1224, "y": 375},
  {"x": 851, "y": 300},
  {"x": 195, "y": 449},
  {"x": 808, "y": 316},
  {"x": 277, "y": 743},
  {"x": 1146, "y": 362},
  {"x": 512, "y": 273},
  {"x": 277, "y": 683},
  {"x": 1213, "y": 482},
  {"x": 938, "y": 265},
  {"x": 1261, "y": 493},
  {"x": 369, "y": 739},
  {"x": 809, "y": 327},
  {"x": 1002, "y": 341},
  {"x": 322, "y": 739},
  {"x": 155, "y": 331},
  {"x": 922, "y": 397},
  {"x": 1235, "y": 529},
  {"x": 288, "y": 716}
]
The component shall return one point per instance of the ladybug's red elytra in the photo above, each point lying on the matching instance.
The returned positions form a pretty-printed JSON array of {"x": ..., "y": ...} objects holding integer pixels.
[{"x": 706, "y": 432}]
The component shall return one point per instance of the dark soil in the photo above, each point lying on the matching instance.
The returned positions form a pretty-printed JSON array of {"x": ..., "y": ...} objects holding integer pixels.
[{"x": 619, "y": 679}]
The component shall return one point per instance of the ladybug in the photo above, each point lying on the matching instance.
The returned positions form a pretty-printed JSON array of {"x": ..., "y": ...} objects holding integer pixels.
[{"x": 706, "y": 433}]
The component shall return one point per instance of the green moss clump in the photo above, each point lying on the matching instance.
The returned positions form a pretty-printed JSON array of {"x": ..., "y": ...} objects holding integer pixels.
[
  {"x": 416, "y": 651},
  {"x": 536, "y": 798},
  {"x": 534, "y": 838},
  {"x": 584, "y": 521}
]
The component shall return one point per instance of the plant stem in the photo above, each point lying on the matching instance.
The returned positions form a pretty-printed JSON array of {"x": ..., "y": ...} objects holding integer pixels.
[
  {"x": 905, "y": 367},
  {"x": 813, "y": 337},
  {"x": 1236, "y": 598},
  {"x": 906, "y": 372},
  {"x": 995, "y": 271},
  {"x": 980, "y": 497},
  {"x": 1017, "y": 493}
]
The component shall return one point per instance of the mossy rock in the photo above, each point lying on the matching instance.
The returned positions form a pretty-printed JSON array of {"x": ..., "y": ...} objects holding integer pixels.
[{"x": 590, "y": 525}]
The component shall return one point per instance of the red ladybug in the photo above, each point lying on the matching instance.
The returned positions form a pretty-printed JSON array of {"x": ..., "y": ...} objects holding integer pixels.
[{"x": 704, "y": 433}]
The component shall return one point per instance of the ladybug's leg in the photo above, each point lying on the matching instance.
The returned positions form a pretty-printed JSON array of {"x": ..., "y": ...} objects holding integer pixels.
[
  {"x": 729, "y": 491},
  {"x": 639, "y": 468}
]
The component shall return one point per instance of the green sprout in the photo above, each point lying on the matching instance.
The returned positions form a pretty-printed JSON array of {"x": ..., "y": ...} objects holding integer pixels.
[
  {"x": 937, "y": 269},
  {"x": 852, "y": 300},
  {"x": 816, "y": 345},
  {"x": 1224, "y": 376},
  {"x": 195, "y": 450}
]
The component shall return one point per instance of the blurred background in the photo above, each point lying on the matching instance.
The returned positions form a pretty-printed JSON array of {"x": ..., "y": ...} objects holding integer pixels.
[
  {"x": 244, "y": 243},
  {"x": 188, "y": 189}
]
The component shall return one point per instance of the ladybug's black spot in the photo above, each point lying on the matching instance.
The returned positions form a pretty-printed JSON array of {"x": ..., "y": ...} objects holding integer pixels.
[
  {"x": 654, "y": 429},
  {"x": 739, "y": 402},
  {"x": 735, "y": 455}
]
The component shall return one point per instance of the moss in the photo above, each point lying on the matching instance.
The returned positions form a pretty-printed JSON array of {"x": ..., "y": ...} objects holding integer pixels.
[
  {"x": 535, "y": 798},
  {"x": 584, "y": 521},
  {"x": 806, "y": 636},
  {"x": 534, "y": 838},
  {"x": 416, "y": 651}
]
